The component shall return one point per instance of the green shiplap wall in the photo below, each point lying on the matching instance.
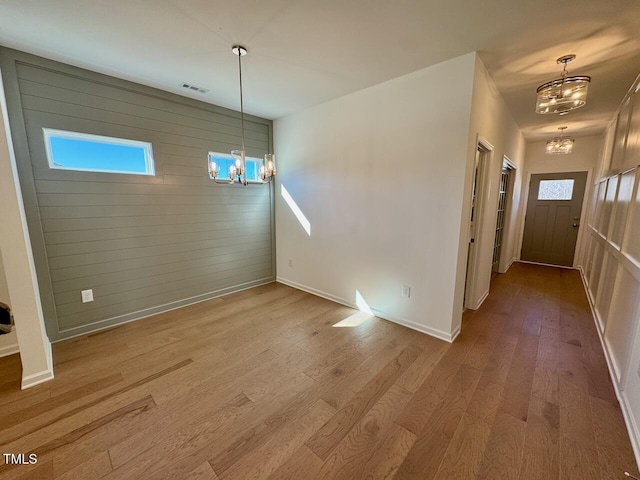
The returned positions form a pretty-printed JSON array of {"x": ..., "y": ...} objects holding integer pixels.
[{"x": 143, "y": 244}]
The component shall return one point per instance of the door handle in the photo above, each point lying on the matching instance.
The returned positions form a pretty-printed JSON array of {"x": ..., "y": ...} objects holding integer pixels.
[{"x": 575, "y": 225}]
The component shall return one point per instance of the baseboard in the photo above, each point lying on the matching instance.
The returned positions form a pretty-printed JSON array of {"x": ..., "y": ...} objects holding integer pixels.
[
  {"x": 548, "y": 265},
  {"x": 632, "y": 426},
  {"x": 149, "y": 312},
  {"x": 36, "y": 379},
  {"x": 613, "y": 364},
  {"x": 9, "y": 350},
  {"x": 514, "y": 259},
  {"x": 481, "y": 301},
  {"x": 455, "y": 333},
  {"x": 434, "y": 332},
  {"x": 603, "y": 344},
  {"x": 599, "y": 322},
  {"x": 627, "y": 413},
  {"x": 318, "y": 293}
]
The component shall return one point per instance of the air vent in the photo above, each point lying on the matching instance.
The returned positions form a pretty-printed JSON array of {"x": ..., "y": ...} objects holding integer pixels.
[{"x": 194, "y": 88}]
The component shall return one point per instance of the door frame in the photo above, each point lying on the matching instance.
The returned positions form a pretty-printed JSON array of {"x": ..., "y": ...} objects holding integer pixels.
[
  {"x": 485, "y": 158},
  {"x": 510, "y": 221},
  {"x": 577, "y": 258}
]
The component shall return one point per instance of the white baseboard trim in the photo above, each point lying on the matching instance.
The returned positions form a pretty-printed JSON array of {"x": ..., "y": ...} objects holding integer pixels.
[
  {"x": 598, "y": 318},
  {"x": 613, "y": 364},
  {"x": 506, "y": 269},
  {"x": 632, "y": 426},
  {"x": 455, "y": 333},
  {"x": 627, "y": 413},
  {"x": 9, "y": 350},
  {"x": 108, "y": 323},
  {"x": 549, "y": 265},
  {"x": 36, "y": 379},
  {"x": 434, "y": 332},
  {"x": 481, "y": 301}
]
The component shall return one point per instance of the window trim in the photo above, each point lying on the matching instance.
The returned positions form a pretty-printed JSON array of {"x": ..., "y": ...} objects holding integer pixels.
[
  {"x": 256, "y": 160},
  {"x": 89, "y": 137}
]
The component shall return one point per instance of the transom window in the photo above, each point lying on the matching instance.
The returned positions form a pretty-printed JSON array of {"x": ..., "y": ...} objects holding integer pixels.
[
  {"x": 225, "y": 160},
  {"x": 555, "y": 189},
  {"x": 95, "y": 153}
]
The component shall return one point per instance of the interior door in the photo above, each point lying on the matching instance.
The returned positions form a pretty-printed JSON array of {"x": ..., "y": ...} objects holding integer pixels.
[
  {"x": 475, "y": 192},
  {"x": 553, "y": 217},
  {"x": 503, "y": 198}
]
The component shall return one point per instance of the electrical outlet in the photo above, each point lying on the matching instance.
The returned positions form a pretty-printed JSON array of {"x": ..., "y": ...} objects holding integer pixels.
[
  {"x": 406, "y": 291},
  {"x": 291, "y": 262},
  {"x": 87, "y": 296}
]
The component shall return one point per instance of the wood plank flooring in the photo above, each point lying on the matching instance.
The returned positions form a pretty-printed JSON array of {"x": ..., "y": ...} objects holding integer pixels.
[{"x": 260, "y": 385}]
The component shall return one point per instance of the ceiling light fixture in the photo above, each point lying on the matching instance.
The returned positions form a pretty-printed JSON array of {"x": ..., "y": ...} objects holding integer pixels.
[
  {"x": 563, "y": 94},
  {"x": 238, "y": 168},
  {"x": 560, "y": 145}
]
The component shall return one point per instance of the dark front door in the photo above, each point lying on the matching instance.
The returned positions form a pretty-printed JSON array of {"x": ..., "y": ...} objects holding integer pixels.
[{"x": 553, "y": 217}]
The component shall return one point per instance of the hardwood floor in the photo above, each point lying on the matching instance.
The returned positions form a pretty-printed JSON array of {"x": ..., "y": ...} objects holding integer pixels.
[{"x": 260, "y": 385}]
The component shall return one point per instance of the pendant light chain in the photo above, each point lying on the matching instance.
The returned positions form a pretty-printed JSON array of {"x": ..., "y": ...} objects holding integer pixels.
[
  {"x": 241, "y": 99},
  {"x": 244, "y": 166},
  {"x": 564, "y": 77}
]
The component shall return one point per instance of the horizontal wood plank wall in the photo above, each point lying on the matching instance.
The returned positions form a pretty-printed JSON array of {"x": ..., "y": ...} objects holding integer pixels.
[{"x": 141, "y": 243}]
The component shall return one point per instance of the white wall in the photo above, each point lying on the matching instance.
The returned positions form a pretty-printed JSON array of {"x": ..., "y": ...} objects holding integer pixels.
[
  {"x": 380, "y": 175},
  {"x": 611, "y": 266},
  {"x": 35, "y": 349},
  {"x": 8, "y": 342},
  {"x": 492, "y": 121},
  {"x": 585, "y": 157}
]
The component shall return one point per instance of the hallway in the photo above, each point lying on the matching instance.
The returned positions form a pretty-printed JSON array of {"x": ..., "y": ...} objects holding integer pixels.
[
  {"x": 221, "y": 390},
  {"x": 557, "y": 384}
]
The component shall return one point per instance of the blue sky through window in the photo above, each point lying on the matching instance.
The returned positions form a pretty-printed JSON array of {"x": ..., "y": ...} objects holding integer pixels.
[
  {"x": 72, "y": 151},
  {"x": 225, "y": 161}
]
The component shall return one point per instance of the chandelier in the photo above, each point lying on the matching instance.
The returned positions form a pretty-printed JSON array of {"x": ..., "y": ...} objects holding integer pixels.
[
  {"x": 237, "y": 170},
  {"x": 563, "y": 94},
  {"x": 560, "y": 145}
]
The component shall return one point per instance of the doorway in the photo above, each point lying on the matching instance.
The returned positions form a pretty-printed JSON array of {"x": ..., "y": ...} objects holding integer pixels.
[
  {"x": 501, "y": 218},
  {"x": 553, "y": 218},
  {"x": 482, "y": 159}
]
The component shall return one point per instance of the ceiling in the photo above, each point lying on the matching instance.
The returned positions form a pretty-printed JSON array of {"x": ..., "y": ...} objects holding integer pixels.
[{"x": 304, "y": 52}]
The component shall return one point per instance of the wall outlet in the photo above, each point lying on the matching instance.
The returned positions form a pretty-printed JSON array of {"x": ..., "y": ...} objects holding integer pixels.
[
  {"x": 406, "y": 291},
  {"x": 291, "y": 262},
  {"x": 87, "y": 296}
]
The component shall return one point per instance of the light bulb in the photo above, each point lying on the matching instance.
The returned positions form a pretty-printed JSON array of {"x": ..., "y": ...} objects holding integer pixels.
[{"x": 213, "y": 169}]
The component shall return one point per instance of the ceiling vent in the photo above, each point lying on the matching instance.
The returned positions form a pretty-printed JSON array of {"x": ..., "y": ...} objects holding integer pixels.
[{"x": 194, "y": 88}]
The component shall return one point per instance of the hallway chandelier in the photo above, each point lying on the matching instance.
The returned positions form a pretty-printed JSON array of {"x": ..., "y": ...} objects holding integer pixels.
[
  {"x": 238, "y": 167},
  {"x": 563, "y": 94},
  {"x": 560, "y": 145}
]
